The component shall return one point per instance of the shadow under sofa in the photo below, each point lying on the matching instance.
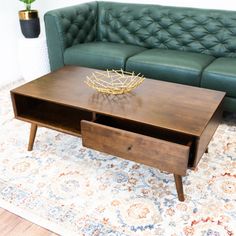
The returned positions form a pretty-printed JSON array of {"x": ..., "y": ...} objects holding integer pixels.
[{"x": 190, "y": 46}]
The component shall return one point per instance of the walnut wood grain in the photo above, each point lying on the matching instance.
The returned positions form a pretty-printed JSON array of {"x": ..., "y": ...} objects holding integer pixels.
[
  {"x": 33, "y": 131},
  {"x": 164, "y": 155},
  {"x": 61, "y": 99},
  {"x": 179, "y": 187},
  {"x": 206, "y": 136},
  {"x": 50, "y": 115},
  {"x": 176, "y": 107}
]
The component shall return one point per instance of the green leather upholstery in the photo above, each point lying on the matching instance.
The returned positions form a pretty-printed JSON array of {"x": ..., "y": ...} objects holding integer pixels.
[
  {"x": 196, "y": 30},
  {"x": 100, "y": 55},
  {"x": 229, "y": 104},
  {"x": 170, "y": 65},
  {"x": 184, "y": 45},
  {"x": 221, "y": 75},
  {"x": 211, "y": 32},
  {"x": 67, "y": 27}
]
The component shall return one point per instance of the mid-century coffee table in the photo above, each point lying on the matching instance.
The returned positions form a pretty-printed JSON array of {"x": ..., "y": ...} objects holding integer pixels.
[{"x": 164, "y": 125}]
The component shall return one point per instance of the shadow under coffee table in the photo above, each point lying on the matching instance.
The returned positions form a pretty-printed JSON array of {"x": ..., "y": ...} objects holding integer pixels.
[{"x": 164, "y": 125}]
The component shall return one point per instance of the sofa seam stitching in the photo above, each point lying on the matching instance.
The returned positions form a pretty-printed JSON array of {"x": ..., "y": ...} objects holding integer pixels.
[{"x": 181, "y": 68}]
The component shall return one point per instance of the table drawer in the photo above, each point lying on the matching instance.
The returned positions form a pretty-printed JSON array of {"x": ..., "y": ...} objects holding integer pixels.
[{"x": 136, "y": 146}]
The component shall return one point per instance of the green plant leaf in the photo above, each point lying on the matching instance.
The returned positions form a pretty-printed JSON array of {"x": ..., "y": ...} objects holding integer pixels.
[{"x": 27, "y": 1}]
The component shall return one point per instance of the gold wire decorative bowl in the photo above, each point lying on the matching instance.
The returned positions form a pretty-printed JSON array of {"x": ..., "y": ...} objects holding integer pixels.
[{"x": 114, "y": 81}]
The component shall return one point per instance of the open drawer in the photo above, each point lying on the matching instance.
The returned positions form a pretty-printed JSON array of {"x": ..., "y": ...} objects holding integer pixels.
[{"x": 137, "y": 142}]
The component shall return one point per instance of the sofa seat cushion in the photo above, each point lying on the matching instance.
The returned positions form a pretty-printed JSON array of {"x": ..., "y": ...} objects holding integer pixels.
[
  {"x": 221, "y": 75},
  {"x": 101, "y": 55},
  {"x": 170, "y": 65}
]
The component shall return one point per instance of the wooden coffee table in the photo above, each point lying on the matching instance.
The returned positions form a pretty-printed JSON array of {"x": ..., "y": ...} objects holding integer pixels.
[{"x": 164, "y": 125}]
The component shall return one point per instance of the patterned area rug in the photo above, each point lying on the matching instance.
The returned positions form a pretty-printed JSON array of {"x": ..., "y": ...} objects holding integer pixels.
[{"x": 73, "y": 190}]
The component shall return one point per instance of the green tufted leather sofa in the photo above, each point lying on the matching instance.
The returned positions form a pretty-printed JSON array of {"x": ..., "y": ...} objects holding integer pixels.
[{"x": 183, "y": 45}]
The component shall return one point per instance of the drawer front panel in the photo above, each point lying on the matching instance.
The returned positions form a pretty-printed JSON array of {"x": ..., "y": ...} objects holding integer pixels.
[{"x": 161, "y": 154}]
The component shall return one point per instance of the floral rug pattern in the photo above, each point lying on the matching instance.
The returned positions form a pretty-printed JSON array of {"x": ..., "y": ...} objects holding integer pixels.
[{"x": 85, "y": 192}]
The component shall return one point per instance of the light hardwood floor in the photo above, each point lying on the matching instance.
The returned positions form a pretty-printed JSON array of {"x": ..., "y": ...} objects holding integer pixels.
[{"x": 13, "y": 225}]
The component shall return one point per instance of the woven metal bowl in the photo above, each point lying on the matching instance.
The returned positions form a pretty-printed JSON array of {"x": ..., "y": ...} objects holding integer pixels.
[{"x": 114, "y": 81}]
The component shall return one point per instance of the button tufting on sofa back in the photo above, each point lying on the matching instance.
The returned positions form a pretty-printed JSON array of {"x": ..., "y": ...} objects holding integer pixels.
[
  {"x": 207, "y": 31},
  {"x": 69, "y": 26},
  {"x": 77, "y": 24}
]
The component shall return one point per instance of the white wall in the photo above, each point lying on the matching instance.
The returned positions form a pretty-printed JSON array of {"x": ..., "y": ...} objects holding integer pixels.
[
  {"x": 10, "y": 34},
  {"x": 8, "y": 26},
  {"x": 10, "y": 30},
  {"x": 47, "y": 5},
  {"x": 211, "y": 4}
]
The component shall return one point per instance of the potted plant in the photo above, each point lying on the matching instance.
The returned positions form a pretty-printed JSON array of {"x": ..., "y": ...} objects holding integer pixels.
[{"x": 29, "y": 20}]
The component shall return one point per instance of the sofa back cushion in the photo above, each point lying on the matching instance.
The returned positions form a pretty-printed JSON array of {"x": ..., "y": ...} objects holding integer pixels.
[
  {"x": 211, "y": 32},
  {"x": 69, "y": 26},
  {"x": 74, "y": 24}
]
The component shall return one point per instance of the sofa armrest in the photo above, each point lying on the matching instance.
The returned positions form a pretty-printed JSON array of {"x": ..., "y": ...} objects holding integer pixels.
[{"x": 69, "y": 26}]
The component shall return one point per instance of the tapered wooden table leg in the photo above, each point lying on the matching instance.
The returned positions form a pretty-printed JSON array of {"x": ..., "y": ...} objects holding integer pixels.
[
  {"x": 179, "y": 187},
  {"x": 33, "y": 131}
]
